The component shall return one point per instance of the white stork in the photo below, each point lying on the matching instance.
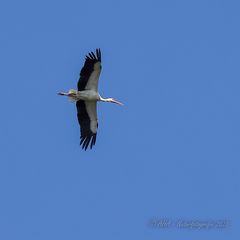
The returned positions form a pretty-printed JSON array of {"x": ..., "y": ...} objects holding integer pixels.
[{"x": 86, "y": 98}]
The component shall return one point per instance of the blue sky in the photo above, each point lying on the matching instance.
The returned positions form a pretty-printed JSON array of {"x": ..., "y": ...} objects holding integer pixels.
[{"x": 172, "y": 152}]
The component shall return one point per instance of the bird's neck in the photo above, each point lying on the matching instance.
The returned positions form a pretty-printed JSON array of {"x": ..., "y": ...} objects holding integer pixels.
[{"x": 105, "y": 99}]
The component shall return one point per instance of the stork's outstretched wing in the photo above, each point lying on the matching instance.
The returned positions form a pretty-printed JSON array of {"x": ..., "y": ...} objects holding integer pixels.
[
  {"x": 87, "y": 118},
  {"x": 90, "y": 72}
]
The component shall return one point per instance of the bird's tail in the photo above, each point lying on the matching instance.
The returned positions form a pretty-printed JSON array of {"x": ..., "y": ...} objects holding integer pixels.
[{"x": 72, "y": 99}]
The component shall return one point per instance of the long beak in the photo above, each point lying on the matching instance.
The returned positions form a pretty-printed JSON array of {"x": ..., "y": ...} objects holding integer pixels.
[{"x": 117, "y": 102}]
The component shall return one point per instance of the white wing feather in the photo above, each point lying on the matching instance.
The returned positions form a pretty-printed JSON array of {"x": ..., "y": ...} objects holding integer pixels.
[
  {"x": 91, "y": 108},
  {"x": 92, "y": 83}
]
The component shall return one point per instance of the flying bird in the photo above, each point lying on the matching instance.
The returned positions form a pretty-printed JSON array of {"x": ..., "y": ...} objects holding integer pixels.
[{"x": 86, "y": 98}]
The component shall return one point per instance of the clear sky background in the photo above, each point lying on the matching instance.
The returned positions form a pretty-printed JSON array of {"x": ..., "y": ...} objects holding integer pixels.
[{"x": 171, "y": 152}]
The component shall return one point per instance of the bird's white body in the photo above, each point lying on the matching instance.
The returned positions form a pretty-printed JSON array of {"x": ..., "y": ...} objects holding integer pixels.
[
  {"x": 89, "y": 95},
  {"x": 85, "y": 95}
]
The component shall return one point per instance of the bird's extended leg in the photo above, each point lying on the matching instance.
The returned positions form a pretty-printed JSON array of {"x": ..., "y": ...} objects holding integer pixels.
[
  {"x": 63, "y": 94},
  {"x": 69, "y": 94}
]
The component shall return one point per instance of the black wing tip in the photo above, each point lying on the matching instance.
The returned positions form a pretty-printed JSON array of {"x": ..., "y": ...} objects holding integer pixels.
[
  {"x": 93, "y": 56},
  {"x": 99, "y": 55},
  {"x": 85, "y": 140}
]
